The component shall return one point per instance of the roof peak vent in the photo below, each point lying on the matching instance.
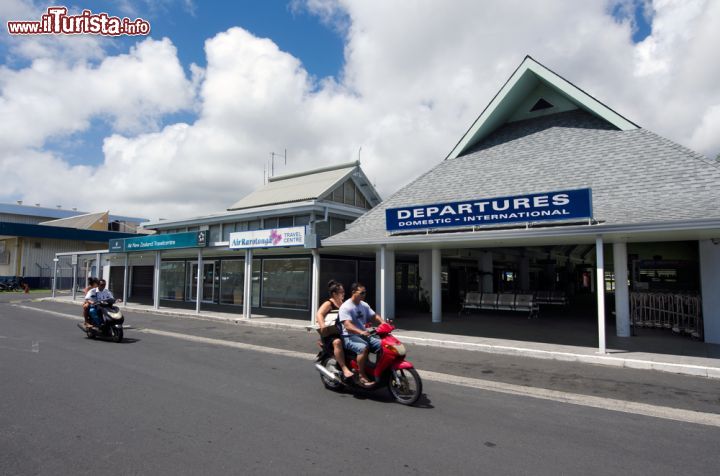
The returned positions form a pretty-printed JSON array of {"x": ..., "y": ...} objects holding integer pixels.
[{"x": 540, "y": 105}]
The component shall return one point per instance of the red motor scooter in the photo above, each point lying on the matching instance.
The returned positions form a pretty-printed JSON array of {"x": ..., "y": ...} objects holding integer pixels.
[{"x": 390, "y": 369}]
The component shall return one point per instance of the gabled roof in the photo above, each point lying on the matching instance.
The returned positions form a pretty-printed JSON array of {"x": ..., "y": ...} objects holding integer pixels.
[
  {"x": 310, "y": 185},
  {"x": 89, "y": 221},
  {"x": 530, "y": 83},
  {"x": 637, "y": 177}
]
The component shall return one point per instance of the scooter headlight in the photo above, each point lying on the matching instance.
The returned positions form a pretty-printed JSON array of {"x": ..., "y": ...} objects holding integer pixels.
[{"x": 399, "y": 349}]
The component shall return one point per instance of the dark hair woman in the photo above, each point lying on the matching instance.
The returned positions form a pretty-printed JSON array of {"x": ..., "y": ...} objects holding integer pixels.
[{"x": 326, "y": 318}]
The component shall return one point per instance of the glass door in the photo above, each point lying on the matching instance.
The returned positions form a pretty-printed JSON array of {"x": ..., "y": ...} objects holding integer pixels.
[{"x": 208, "y": 282}]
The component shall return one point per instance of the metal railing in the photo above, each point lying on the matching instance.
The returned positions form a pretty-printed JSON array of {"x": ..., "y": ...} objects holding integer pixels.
[{"x": 682, "y": 313}]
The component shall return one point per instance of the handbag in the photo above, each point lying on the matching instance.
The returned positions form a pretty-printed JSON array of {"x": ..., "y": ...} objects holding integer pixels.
[{"x": 331, "y": 325}]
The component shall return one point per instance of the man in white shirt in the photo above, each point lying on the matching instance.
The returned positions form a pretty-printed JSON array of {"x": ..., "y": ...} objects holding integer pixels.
[
  {"x": 95, "y": 295},
  {"x": 354, "y": 315}
]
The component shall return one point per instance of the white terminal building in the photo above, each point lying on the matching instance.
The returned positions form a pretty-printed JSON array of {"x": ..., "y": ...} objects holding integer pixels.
[{"x": 550, "y": 202}]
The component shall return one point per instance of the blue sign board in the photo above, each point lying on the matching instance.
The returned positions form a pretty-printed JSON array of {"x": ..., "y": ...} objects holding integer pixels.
[
  {"x": 563, "y": 205},
  {"x": 169, "y": 241}
]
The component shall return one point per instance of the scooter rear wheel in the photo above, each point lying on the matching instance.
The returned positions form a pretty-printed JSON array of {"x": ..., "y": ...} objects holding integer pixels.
[{"x": 409, "y": 389}]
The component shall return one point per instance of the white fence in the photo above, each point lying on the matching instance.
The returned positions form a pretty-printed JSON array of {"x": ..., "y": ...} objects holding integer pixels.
[{"x": 680, "y": 312}]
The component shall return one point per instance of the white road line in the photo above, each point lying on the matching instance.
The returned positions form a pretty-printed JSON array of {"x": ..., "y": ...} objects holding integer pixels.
[{"x": 656, "y": 411}]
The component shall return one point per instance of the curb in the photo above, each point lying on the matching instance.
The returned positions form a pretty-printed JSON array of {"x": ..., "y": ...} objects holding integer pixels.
[
  {"x": 638, "y": 364},
  {"x": 241, "y": 320},
  {"x": 610, "y": 361}
]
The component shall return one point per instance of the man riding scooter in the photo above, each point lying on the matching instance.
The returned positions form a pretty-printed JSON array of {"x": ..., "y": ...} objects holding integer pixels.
[
  {"x": 98, "y": 294},
  {"x": 355, "y": 314}
]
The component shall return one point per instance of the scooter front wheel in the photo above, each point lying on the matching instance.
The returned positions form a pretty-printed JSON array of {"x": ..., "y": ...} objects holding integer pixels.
[
  {"x": 405, "y": 386},
  {"x": 117, "y": 334}
]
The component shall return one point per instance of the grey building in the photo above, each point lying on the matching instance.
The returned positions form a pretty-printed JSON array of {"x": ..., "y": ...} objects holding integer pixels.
[
  {"x": 283, "y": 279},
  {"x": 31, "y": 236}
]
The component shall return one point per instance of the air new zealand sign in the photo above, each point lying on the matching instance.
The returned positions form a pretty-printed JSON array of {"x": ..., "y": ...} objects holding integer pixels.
[{"x": 563, "y": 205}]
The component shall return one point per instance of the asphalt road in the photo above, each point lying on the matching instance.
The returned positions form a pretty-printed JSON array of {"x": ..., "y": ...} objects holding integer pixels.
[{"x": 161, "y": 405}]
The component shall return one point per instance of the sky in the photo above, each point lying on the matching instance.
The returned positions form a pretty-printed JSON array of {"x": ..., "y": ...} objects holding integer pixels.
[{"x": 182, "y": 122}]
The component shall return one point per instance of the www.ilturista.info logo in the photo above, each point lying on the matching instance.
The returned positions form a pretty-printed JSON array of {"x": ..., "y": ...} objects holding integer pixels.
[{"x": 57, "y": 22}]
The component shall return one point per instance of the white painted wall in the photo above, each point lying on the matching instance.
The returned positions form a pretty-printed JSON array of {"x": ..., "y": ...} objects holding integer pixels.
[{"x": 710, "y": 289}]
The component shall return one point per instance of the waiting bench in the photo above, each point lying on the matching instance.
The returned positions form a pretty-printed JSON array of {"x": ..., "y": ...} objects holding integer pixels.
[
  {"x": 501, "y": 302},
  {"x": 555, "y": 298}
]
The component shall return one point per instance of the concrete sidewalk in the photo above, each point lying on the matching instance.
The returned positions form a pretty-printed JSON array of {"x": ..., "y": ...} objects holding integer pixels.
[{"x": 679, "y": 364}]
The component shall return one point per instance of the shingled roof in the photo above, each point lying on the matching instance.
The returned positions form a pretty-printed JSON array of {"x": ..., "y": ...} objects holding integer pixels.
[
  {"x": 542, "y": 134},
  {"x": 635, "y": 175}
]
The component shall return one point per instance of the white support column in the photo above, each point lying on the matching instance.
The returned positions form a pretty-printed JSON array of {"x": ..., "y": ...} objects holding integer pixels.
[
  {"x": 315, "y": 290},
  {"x": 199, "y": 288},
  {"x": 486, "y": 266},
  {"x": 98, "y": 268},
  {"x": 378, "y": 279},
  {"x": 709, "y": 287},
  {"x": 156, "y": 281},
  {"x": 622, "y": 291},
  {"x": 390, "y": 285},
  {"x": 436, "y": 287},
  {"x": 125, "y": 280},
  {"x": 54, "y": 279},
  {"x": 383, "y": 279},
  {"x": 600, "y": 279},
  {"x": 247, "y": 291},
  {"x": 74, "y": 282}
]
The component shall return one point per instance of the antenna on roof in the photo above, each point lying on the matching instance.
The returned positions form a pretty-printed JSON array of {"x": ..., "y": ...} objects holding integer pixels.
[
  {"x": 272, "y": 161},
  {"x": 359, "y": 150}
]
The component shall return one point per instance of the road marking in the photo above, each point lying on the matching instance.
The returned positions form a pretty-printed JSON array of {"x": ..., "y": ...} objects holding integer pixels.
[{"x": 656, "y": 411}]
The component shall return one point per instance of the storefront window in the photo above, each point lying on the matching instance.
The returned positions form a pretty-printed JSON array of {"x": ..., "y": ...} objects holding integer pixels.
[
  {"x": 270, "y": 223},
  {"x": 285, "y": 222},
  {"x": 214, "y": 234},
  {"x": 226, "y": 230},
  {"x": 172, "y": 280},
  {"x": 286, "y": 283},
  {"x": 232, "y": 280},
  {"x": 302, "y": 220},
  {"x": 253, "y": 225}
]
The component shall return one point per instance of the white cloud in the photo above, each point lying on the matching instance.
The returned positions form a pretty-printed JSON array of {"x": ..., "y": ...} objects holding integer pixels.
[{"x": 416, "y": 75}]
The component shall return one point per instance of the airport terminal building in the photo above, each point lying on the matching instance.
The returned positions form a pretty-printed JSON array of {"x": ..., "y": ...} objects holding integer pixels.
[
  {"x": 552, "y": 193},
  {"x": 551, "y": 200}
]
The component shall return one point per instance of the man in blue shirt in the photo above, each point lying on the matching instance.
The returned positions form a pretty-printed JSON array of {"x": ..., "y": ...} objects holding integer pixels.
[{"x": 355, "y": 314}]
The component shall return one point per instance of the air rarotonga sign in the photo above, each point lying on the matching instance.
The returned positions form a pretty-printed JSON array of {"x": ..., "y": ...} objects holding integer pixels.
[
  {"x": 271, "y": 238},
  {"x": 563, "y": 205}
]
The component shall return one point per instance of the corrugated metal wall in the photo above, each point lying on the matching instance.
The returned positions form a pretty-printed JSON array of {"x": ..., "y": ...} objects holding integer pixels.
[
  {"x": 8, "y": 217},
  {"x": 38, "y": 254}
]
